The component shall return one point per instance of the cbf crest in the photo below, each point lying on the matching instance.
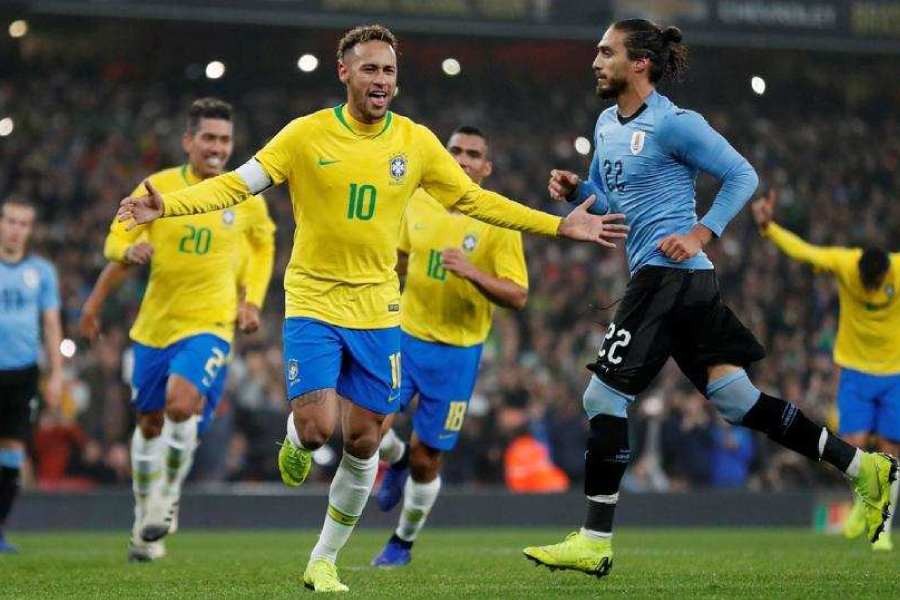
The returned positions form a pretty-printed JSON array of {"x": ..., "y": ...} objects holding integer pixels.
[
  {"x": 228, "y": 217},
  {"x": 637, "y": 142},
  {"x": 293, "y": 370},
  {"x": 398, "y": 166},
  {"x": 469, "y": 242}
]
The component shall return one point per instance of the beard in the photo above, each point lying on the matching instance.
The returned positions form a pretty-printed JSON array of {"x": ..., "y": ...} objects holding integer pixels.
[{"x": 612, "y": 89}]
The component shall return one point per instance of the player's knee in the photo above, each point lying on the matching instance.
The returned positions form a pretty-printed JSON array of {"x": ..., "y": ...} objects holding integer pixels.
[
  {"x": 601, "y": 399},
  {"x": 313, "y": 434},
  {"x": 733, "y": 395},
  {"x": 424, "y": 463},
  {"x": 151, "y": 424},
  {"x": 362, "y": 444},
  {"x": 183, "y": 400}
]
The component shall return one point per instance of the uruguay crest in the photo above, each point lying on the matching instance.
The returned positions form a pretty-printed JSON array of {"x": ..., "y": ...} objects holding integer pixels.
[
  {"x": 398, "y": 167},
  {"x": 469, "y": 242},
  {"x": 637, "y": 142},
  {"x": 31, "y": 278},
  {"x": 228, "y": 217}
]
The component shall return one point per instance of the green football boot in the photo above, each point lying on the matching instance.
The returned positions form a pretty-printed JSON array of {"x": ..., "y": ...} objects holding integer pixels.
[
  {"x": 855, "y": 525},
  {"x": 873, "y": 487},
  {"x": 883, "y": 543},
  {"x": 293, "y": 463},
  {"x": 321, "y": 576},
  {"x": 577, "y": 553}
]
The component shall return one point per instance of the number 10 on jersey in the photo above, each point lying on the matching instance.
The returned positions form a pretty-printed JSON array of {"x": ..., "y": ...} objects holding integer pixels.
[{"x": 361, "y": 204}]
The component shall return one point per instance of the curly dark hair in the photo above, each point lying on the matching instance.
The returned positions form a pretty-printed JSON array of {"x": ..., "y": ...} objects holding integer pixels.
[
  {"x": 646, "y": 39},
  {"x": 365, "y": 33},
  {"x": 207, "y": 108}
]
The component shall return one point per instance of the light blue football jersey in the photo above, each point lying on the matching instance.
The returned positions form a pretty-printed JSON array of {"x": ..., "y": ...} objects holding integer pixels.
[{"x": 646, "y": 166}]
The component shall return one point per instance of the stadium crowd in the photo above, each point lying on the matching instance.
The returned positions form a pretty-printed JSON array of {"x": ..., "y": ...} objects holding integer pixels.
[{"x": 86, "y": 130}]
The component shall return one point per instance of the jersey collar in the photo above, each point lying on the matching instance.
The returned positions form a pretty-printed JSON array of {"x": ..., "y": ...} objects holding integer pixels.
[
  {"x": 187, "y": 173},
  {"x": 372, "y": 130}
]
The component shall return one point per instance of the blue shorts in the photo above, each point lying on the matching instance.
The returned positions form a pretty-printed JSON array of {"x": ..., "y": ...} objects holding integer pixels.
[
  {"x": 363, "y": 365},
  {"x": 201, "y": 359},
  {"x": 444, "y": 378},
  {"x": 869, "y": 404}
]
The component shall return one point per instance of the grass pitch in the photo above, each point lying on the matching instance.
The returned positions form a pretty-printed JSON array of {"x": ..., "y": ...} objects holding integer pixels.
[{"x": 462, "y": 563}]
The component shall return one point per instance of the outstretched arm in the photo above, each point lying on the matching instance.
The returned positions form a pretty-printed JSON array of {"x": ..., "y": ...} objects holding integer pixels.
[
  {"x": 825, "y": 258},
  {"x": 445, "y": 180},
  {"x": 270, "y": 166}
]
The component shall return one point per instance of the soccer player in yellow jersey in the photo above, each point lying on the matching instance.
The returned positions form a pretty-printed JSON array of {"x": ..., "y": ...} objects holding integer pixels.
[
  {"x": 457, "y": 270},
  {"x": 351, "y": 170},
  {"x": 867, "y": 347},
  {"x": 199, "y": 265}
]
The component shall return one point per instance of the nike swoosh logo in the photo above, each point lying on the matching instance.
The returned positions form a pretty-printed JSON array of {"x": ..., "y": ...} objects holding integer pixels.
[
  {"x": 419, "y": 226},
  {"x": 324, "y": 162}
]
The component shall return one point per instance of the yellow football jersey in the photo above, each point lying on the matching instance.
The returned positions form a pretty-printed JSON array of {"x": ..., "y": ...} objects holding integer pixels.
[
  {"x": 350, "y": 183},
  {"x": 868, "y": 337},
  {"x": 436, "y": 305},
  {"x": 198, "y": 263}
]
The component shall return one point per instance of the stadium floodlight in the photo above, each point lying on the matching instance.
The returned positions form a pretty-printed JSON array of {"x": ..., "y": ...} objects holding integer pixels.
[
  {"x": 451, "y": 67},
  {"x": 18, "y": 28},
  {"x": 308, "y": 63},
  {"x": 582, "y": 145},
  {"x": 215, "y": 69},
  {"x": 758, "y": 85},
  {"x": 67, "y": 348},
  {"x": 6, "y": 126}
]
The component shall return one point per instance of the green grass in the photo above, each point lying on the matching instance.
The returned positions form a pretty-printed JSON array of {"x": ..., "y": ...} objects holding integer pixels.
[{"x": 473, "y": 563}]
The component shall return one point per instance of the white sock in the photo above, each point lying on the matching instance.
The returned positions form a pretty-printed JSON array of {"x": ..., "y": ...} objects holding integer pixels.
[
  {"x": 895, "y": 487},
  {"x": 853, "y": 467},
  {"x": 146, "y": 469},
  {"x": 418, "y": 499},
  {"x": 392, "y": 447},
  {"x": 181, "y": 442},
  {"x": 292, "y": 434},
  {"x": 596, "y": 535},
  {"x": 347, "y": 497}
]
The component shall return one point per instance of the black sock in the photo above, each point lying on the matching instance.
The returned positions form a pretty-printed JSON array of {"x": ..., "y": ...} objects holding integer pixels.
[
  {"x": 786, "y": 424},
  {"x": 9, "y": 488},
  {"x": 400, "y": 542},
  {"x": 403, "y": 461},
  {"x": 838, "y": 452},
  {"x": 607, "y": 457}
]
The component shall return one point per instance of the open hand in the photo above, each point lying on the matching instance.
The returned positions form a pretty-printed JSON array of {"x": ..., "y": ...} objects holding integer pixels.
[
  {"x": 141, "y": 209},
  {"x": 586, "y": 227}
]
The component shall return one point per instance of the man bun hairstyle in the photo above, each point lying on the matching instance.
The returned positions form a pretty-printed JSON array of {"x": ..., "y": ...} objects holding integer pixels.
[
  {"x": 207, "y": 108},
  {"x": 662, "y": 46},
  {"x": 873, "y": 264},
  {"x": 365, "y": 33}
]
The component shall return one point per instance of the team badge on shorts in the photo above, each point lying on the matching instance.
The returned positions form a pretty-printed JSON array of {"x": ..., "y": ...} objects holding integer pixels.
[
  {"x": 398, "y": 167},
  {"x": 228, "y": 217},
  {"x": 637, "y": 142},
  {"x": 469, "y": 242},
  {"x": 293, "y": 370}
]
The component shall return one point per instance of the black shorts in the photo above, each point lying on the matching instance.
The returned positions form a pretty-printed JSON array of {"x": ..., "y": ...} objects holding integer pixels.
[
  {"x": 672, "y": 312},
  {"x": 17, "y": 390}
]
